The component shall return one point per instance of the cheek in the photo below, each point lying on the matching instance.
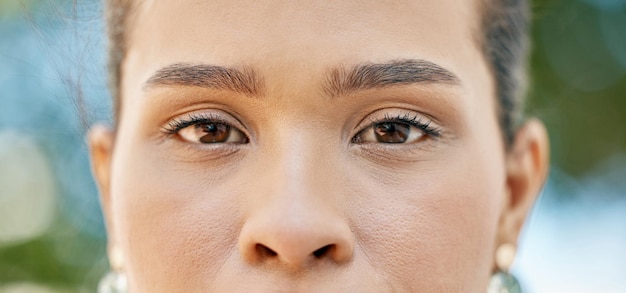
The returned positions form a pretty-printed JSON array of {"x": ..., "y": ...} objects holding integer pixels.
[
  {"x": 177, "y": 225},
  {"x": 436, "y": 231}
]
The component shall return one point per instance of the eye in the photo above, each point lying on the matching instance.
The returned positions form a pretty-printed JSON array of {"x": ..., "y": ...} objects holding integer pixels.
[
  {"x": 401, "y": 129},
  {"x": 206, "y": 129},
  {"x": 389, "y": 132},
  {"x": 212, "y": 132}
]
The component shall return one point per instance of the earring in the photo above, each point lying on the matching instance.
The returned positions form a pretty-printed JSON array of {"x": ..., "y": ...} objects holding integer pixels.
[
  {"x": 502, "y": 281},
  {"x": 115, "y": 281}
]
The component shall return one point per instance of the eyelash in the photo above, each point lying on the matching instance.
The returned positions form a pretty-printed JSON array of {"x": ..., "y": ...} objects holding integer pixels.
[
  {"x": 414, "y": 120},
  {"x": 176, "y": 125}
]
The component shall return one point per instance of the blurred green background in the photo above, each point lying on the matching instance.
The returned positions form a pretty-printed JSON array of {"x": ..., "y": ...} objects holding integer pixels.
[{"x": 51, "y": 230}]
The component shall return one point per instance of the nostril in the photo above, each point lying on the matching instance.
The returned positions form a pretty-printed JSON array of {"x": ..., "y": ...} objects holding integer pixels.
[
  {"x": 265, "y": 251},
  {"x": 323, "y": 251}
]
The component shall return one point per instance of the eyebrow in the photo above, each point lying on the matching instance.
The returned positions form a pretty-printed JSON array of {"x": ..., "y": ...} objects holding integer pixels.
[
  {"x": 245, "y": 80},
  {"x": 340, "y": 80},
  {"x": 364, "y": 76}
]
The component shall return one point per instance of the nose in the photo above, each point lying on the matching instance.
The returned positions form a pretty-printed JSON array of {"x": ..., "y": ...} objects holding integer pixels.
[
  {"x": 296, "y": 220},
  {"x": 295, "y": 238}
]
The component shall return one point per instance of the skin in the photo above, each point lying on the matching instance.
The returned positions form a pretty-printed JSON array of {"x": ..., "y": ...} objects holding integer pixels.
[{"x": 296, "y": 204}]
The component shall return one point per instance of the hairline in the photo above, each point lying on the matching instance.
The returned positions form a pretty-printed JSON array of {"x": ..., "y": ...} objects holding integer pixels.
[{"x": 120, "y": 13}]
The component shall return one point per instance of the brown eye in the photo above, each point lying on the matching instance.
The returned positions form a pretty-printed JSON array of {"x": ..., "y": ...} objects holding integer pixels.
[
  {"x": 389, "y": 132},
  {"x": 212, "y": 132}
]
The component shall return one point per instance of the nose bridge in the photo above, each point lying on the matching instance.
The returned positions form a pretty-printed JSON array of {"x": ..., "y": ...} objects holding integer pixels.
[
  {"x": 298, "y": 220},
  {"x": 299, "y": 161}
]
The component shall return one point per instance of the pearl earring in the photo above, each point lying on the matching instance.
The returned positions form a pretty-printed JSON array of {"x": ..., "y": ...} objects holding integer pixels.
[
  {"x": 502, "y": 281},
  {"x": 115, "y": 281}
]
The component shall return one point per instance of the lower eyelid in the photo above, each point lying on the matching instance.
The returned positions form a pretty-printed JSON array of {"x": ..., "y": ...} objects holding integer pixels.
[
  {"x": 385, "y": 153},
  {"x": 195, "y": 153}
]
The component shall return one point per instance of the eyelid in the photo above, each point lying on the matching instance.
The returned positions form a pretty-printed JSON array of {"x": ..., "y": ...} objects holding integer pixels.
[
  {"x": 401, "y": 116},
  {"x": 174, "y": 125}
]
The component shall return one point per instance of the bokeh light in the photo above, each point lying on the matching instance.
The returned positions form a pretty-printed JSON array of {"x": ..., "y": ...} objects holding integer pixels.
[
  {"x": 28, "y": 186},
  {"x": 576, "y": 49},
  {"x": 26, "y": 288}
]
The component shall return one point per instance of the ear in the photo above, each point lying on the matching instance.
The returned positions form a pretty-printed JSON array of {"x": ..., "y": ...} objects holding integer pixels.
[
  {"x": 101, "y": 139},
  {"x": 527, "y": 165}
]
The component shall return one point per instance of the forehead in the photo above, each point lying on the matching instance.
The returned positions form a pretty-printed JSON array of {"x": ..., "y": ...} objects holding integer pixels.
[{"x": 292, "y": 31}]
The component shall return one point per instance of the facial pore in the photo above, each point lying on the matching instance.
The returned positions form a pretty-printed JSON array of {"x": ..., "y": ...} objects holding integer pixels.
[{"x": 306, "y": 146}]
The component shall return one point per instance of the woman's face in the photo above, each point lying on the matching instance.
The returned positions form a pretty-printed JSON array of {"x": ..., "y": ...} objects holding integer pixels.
[{"x": 306, "y": 146}]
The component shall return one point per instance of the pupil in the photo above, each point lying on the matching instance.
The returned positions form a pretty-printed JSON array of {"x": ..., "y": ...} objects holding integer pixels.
[
  {"x": 214, "y": 132},
  {"x": 392, "y": 132}
]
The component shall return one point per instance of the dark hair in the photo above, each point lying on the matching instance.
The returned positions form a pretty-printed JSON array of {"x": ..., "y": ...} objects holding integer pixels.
[
  {"x": 503, "y": 38},
  {"x": 505, "y": 45}
]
